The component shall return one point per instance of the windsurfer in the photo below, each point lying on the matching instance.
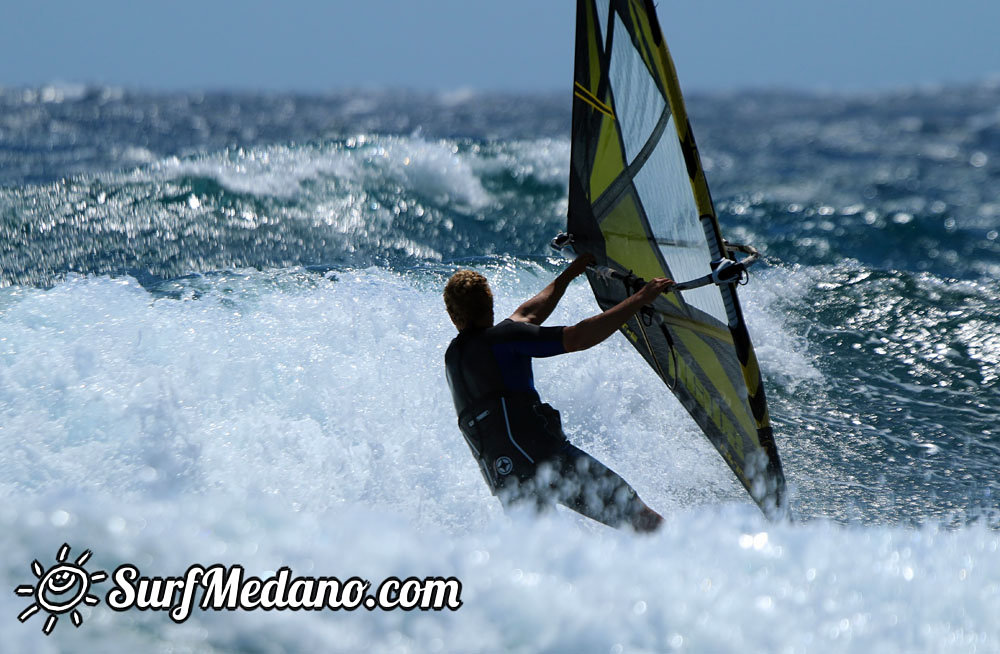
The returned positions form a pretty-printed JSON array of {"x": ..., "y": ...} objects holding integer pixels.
[{"x": 517, "y": 439}]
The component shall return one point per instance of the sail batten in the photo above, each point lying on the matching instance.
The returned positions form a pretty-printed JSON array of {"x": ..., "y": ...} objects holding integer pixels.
[{"x": 640, "y": 203}]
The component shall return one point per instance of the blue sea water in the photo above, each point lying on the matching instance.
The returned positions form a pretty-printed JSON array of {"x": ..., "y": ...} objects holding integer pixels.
[{"x": 221, "y": 341}]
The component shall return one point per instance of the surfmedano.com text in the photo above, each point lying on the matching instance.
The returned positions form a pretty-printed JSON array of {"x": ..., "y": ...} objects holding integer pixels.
[{"x": 229, "y": 589}]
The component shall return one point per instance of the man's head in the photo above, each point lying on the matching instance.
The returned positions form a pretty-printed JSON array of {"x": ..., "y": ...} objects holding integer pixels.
[{"x": 469, "y": 300}]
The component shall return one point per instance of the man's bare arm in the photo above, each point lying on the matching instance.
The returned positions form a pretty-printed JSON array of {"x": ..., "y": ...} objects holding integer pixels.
[
  {"x": 588, "y": 333},
  {"x": 540, "y": 307}
]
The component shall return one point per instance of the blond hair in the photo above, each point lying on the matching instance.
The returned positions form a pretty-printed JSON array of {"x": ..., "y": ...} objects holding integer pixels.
[{"x": 469, "y": 300}]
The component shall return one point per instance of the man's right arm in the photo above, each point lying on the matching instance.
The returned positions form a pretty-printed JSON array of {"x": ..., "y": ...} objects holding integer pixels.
[
  {"x": 588, "y": 333},
  {"x": 540, "y": 307}
]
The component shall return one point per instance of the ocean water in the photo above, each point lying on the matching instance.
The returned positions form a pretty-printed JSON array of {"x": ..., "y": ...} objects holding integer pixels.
[{"x": 222, "y": 340}]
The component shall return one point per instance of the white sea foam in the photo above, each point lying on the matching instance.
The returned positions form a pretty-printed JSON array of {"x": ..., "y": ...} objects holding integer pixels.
[
  {"x": 440, "y": 170},
  {"x": 766, "y": 299},
  {"x": 544, "y": 160},
  {"x": 278, "y": 418},
  {"x": 276, "y": 171},
  {"x": 433, "y": 168}
]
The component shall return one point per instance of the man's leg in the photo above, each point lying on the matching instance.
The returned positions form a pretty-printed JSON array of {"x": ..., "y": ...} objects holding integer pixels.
[{"x": 582, "y": 483}]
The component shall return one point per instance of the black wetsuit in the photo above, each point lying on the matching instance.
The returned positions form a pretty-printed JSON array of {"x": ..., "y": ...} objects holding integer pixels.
[{"x": 516, "y": 438}]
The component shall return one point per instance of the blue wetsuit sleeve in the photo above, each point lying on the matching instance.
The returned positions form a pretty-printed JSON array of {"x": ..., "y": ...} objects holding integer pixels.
[
  {"x": 531, "y": 340},
  {"x": 515, "y": 343}
]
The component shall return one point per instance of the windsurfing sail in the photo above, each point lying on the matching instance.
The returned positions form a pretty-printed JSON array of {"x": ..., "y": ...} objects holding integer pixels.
[{"x": 639, "y": 202}]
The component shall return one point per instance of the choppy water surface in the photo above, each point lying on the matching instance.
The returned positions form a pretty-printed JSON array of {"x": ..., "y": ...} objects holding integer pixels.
[{"x": 221, "y": 340}]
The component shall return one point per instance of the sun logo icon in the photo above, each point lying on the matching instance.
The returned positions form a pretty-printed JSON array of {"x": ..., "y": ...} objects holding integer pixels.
[{"x": 60, "y": 589}]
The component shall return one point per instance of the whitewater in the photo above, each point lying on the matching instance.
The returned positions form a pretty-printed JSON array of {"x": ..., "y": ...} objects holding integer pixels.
[{"x": 227, "y": 348}]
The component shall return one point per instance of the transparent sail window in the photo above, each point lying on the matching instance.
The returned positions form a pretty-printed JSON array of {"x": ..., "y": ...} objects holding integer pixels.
[{"x": 662, "y": 182}]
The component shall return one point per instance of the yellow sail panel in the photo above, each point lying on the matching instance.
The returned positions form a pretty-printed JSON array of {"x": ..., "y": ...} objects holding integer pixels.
[
  {"x": 723, "y": 387},
  {"x": 593, "y": 36},
  {"x": 609, "y": 162},
  {"x": 625, "y": 240},
  {"x": 646, "y": 43}
]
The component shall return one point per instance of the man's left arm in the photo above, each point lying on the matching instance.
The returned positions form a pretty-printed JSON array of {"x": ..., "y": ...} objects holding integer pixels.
[{"x": 540, "y": 307}]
